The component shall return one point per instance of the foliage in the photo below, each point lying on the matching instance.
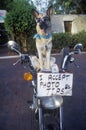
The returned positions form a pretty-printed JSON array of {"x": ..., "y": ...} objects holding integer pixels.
[
  {"x": 70, "y": 6},
  {"x": 19, "y": 22},
  {"x": 4, "y": 4},
  {"x": 61, "y": 40}
]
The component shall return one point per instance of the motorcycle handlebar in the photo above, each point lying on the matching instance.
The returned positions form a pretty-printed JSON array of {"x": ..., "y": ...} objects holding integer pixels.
[
  {"x": 23, "y": 58},
  {"x": 9, "y": 57},
  {"x": 67, "y": 57}
]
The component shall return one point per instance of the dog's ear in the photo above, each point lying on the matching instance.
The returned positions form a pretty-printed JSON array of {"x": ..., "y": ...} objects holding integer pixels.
[
  {"x": 35, "y": 13},
  {"x": 50, "y": 11}
]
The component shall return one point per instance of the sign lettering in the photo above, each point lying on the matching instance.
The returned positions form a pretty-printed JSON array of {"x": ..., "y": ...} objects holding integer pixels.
[{"x": 54, "y": 84}]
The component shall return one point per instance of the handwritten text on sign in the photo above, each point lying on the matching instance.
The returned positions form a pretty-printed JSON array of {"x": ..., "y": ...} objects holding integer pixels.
[{"x": 54, "y": 84}]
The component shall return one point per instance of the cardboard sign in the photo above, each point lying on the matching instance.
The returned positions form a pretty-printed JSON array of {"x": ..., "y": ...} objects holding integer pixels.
[{"x": 49, "y": 84}]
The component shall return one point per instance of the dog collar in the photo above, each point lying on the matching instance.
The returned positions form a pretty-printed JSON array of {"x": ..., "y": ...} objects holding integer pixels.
[{"x": 38, "y": 36}]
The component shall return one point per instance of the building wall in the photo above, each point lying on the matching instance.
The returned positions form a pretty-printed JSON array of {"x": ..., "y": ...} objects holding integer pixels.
[{"x": 78, "y": 23}]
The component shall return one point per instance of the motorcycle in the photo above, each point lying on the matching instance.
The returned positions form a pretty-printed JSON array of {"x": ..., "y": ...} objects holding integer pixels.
[{"x": 49, "y": 87}]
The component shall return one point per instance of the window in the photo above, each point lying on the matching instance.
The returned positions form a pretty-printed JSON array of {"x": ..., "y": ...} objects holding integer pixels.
[{"x": 68, "y": 26}]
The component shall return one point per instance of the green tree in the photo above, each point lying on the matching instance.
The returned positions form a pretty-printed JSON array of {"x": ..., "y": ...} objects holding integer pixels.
[
  {"x": 70, "y": 6},
  {"x": 19, "y": 22},
  {"x": 4, "y": 4}
]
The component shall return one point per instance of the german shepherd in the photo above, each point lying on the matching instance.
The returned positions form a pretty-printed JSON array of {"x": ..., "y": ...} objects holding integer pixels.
[{"x": 43, "y": 37}]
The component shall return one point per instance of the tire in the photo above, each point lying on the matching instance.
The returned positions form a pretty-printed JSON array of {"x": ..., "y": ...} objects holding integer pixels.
[
  {"x": 52, "y": 120},
  {"x": 50, "y": 127}
]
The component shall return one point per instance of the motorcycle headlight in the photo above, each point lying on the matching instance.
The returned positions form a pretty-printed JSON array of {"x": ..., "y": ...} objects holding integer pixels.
[{"x": 28, "y": 76}]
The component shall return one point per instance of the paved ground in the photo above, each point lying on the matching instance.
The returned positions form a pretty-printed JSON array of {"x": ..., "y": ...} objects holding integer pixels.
[{"x": 15, "y": 93}]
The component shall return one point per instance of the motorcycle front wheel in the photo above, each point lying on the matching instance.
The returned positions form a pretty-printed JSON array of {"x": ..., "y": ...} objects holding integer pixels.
[{"x": 53, "y": 120}]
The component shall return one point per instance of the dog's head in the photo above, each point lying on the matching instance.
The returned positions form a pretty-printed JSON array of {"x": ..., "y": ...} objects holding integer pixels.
[{"x": 43, "y": 21}]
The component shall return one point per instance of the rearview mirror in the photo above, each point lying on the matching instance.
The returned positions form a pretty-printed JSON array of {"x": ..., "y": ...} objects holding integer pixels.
[
  {"x": 78, "y": 48},
  {"x": 13, "y": 46}
]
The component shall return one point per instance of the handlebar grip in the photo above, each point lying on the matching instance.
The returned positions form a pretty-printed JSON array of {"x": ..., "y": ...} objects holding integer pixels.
[{"x": 25, "y": 58}]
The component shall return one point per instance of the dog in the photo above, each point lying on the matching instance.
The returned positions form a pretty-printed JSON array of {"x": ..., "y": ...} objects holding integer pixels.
[{"x": 43, "y": 37}]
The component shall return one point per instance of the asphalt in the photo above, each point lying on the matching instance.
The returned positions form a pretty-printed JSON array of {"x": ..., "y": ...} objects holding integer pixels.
[{"x": 16, "y": 96}]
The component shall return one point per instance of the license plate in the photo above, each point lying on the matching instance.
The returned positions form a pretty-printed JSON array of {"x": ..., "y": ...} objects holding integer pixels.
[{"x": 49, "y": 84}]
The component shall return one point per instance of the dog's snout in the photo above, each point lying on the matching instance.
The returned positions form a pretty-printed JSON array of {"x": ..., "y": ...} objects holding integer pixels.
[{"x": 43, "y": 25}]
